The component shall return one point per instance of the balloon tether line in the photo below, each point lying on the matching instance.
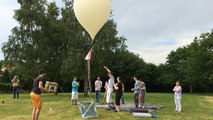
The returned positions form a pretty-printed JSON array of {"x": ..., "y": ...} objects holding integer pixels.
[{"x": 88, "y": 86}]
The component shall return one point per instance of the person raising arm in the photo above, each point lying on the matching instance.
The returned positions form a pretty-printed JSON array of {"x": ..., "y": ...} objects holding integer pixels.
[{"x": 110, "y": 85}]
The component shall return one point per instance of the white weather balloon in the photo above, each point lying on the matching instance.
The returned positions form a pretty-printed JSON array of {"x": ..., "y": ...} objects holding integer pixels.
[{"x": 92, "y": 14}]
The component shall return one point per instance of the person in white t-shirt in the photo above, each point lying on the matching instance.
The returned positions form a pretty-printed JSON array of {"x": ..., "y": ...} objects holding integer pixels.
[
  {"x": 98, "y": 86},
  {"x": 15, "y": 82},
  {"x": 177, "y": 96},
  {"x": 110, "y": 85}
]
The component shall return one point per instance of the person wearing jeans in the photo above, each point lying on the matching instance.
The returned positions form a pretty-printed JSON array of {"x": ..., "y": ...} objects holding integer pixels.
[
  {"x": 98, "y": 86},
  {"x": 122, "y": 97},
  {"x": 15, "y": 83},
  {"x": 177, "y": 96},
  {"x": 136, "y": 90}
]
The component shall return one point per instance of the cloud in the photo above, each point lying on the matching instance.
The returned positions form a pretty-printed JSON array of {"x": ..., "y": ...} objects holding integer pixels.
[
  {"x": 7, "y": 8},
  {"x": 154, "y": 28}
]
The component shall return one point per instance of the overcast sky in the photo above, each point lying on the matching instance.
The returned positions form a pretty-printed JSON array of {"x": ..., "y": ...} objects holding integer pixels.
[{"x": 153, "y": 28}]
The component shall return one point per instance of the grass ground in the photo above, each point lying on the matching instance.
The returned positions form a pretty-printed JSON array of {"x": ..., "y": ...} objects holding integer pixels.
[{"x": 58, "y": 107}]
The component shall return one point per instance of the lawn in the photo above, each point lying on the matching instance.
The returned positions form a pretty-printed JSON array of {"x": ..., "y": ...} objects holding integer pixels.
[{"x": 58, "y": 107}]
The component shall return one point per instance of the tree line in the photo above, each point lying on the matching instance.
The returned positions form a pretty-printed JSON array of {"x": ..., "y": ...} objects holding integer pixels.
[{"x": 51, "y": 38}]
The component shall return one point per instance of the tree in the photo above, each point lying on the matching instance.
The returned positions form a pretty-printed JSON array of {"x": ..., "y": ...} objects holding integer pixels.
[
  {"x": 199, "y": 61},
  {"x": 192, "y": 64},
  {"x": 21, "y": 50},
  {"x": 59, "y": 45}
]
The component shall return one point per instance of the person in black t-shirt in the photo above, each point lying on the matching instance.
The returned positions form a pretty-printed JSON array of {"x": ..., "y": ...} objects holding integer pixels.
[
  {"x": 118, "y": 93},
  {"x": 38, "y": 85}
]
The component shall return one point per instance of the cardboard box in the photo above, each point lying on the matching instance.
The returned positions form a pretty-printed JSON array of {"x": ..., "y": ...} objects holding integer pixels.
[{"x": 51, "y": 86}]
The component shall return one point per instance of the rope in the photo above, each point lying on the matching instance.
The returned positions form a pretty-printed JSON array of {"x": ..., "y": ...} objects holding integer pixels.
[
  {"x": 89, "y": 77},
  {"x": 89, "y": 88}
]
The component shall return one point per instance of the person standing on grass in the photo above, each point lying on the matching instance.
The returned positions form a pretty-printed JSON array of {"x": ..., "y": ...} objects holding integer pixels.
[
  {"x": 110, "y": 85},
  {"x": 75, "y": 86},
  {"x": 98, "y": 86},
  {"x": 15, "y": 84},
  {"x": 38, "y": 86},
  {"x": 177, "y": 96},
  {"x": 136, "y": 90},
  {"x": 105, "y": 94},
  {"x": 118, "y": 93},
  {"x": 122, "y": 97},
  {"x": 142, "y": 94}
]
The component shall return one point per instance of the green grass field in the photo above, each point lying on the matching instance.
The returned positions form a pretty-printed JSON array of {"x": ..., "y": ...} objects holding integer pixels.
[{"x": 58, "y": 107}]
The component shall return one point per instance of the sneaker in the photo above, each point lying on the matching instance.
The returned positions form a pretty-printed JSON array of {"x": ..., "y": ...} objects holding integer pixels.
[{"x": 116, "y": 110}]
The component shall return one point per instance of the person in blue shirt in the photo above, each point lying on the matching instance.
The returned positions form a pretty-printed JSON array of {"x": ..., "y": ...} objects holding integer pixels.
[
  {"x": 75, "y": 86},
  {"x": 136, "y": 90}
]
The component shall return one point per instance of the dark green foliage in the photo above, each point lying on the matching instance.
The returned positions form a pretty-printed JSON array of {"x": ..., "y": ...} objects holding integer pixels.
[
  {"x": 51, "y": 38},
  {"x": 192, "y": 65}
]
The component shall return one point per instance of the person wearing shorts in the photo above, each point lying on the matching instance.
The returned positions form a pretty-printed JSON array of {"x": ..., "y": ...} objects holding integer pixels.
[
  {"x": 38, "y": 85},
  {"x": 118, "y": 93},
  {"x": 142, "y": 94},
  {"x": 75, "y": 86}
]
